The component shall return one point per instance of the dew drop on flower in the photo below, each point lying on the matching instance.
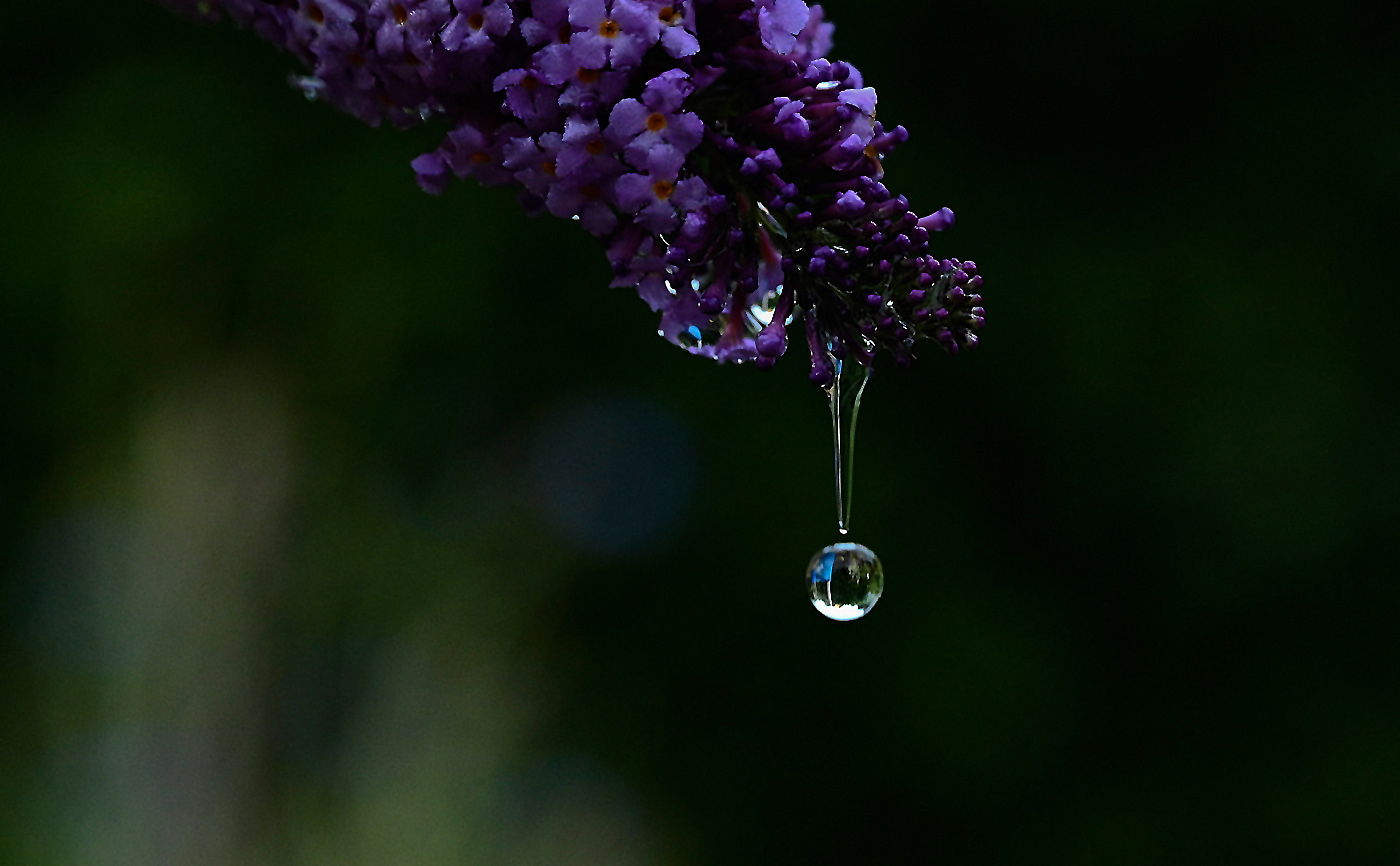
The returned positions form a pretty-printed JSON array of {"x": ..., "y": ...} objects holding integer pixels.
[
  {"x": 845, "y": 580},
  {"x": 766, "y": 217},
  {"x": 758, "y": 315}
]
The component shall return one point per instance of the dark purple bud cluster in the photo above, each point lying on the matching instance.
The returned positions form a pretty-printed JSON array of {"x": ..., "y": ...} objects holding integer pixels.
[{"x": 733, "y": 174}]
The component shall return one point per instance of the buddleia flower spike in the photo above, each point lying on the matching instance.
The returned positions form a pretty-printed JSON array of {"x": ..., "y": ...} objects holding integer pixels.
[{"x": 733, "y": 174}]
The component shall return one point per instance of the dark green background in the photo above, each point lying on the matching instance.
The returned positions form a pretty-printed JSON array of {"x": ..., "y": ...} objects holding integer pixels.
[{"x": 286, "y": 445}]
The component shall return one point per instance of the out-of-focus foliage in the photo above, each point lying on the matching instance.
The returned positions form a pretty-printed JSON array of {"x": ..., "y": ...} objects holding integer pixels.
[{"x": 322, "y": 540}]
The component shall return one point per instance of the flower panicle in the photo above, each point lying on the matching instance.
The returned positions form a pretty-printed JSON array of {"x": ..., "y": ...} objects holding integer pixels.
[{"x": 733, "y": 173}]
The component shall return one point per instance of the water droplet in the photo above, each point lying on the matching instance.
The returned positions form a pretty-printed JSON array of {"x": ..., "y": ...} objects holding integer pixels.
[
  {"x": 765, "y": 216},
  {"x": 761, "y": 310},
  {"x": 845, "y": 580},
  {"x": 696, "y": 337},
  {"x": 310, "y": 86}
]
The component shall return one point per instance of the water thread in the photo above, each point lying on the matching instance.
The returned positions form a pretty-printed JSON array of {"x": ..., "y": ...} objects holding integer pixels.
[{"x": 844, "y": 394}]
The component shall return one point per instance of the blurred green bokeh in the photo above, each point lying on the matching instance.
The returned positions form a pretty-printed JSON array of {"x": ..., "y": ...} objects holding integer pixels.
[{"x": 344, "y": 524}]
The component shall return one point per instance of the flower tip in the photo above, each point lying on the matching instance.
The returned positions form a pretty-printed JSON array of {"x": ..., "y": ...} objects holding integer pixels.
[
  {"x": 770, "y": 344},
  {"x": 433, "y": 173},
  {"x": 938, "y": 220}
]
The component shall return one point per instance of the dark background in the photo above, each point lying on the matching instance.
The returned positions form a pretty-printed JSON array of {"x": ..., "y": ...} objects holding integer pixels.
[{"x": 344, "y": 524}]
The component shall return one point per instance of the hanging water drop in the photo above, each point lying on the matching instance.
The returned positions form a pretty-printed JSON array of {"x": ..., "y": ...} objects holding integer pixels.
[{"x": 845, "y": 580}]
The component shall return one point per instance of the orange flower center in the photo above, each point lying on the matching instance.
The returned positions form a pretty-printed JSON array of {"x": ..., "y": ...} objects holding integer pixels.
[
  {"x": 656, "y": 122},
  {"x": 315, "y": 14},
  {"x": 609, "y": 29},
  {"x": 529, "y": 82},
  {"x": 874, "y": 156},
  {"x": 669, "y": 15},
  {"x": 481, "y": 157},
  {"x": 594, "y": 147},
  {"x": 476, "y": 21},
  {"x": 663, "y": 189},
  {"x": 588, "y": 76},
  {"x": 548, "y": 166},
  {"x": 400, "y": 14}
]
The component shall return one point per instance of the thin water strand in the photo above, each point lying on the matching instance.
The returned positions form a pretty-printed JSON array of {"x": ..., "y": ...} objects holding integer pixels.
[{"x": 844, "y": 394}]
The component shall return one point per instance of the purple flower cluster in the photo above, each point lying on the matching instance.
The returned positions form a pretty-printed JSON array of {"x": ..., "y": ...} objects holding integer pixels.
[{"x": 732, "y": 173}]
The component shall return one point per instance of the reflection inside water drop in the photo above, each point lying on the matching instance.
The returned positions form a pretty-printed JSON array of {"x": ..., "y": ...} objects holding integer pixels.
[
  {"x": 845, "y": 580},
  {"x": 695, "y": 337}
]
